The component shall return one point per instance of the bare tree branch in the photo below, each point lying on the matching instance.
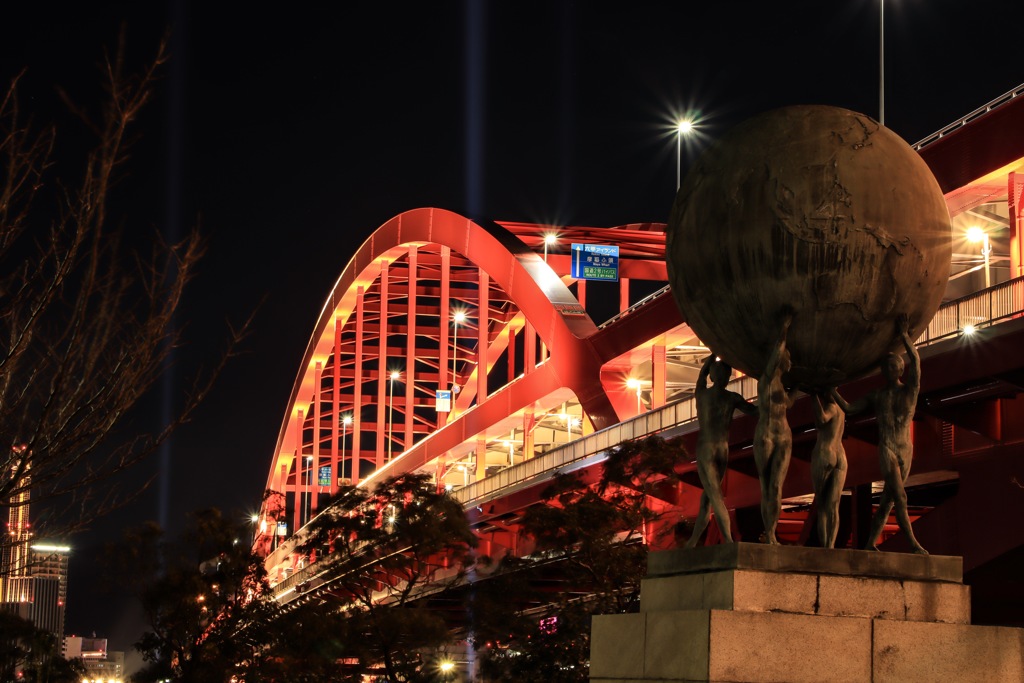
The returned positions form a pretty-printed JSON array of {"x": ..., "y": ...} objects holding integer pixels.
[{"x": 87, "y": 325}]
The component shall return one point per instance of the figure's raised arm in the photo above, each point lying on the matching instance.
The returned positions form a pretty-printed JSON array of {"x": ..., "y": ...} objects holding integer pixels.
[
  {"x": 913, "y": 358},
  {"x": 819, "y": 410},
  {"x": 780, "y": 344},
  {"x": 857, "y": 406},
  {"x": 705, "y": 370},
  {"x": 744, "y": 406}
]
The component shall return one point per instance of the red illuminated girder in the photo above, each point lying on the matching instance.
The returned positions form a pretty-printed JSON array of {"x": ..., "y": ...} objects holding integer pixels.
[
  {"x": 378, "y": 298},
  {"x": 963, "y": 158},
  {"x": 987, "y": 143}
]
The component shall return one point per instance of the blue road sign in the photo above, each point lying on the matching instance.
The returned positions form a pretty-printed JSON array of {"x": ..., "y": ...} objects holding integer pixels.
[{"x": 595, "y": 262}]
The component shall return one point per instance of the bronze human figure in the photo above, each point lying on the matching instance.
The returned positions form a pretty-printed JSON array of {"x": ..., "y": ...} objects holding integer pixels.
[
  {"x": 828, "y": 466},
  {"x": 715, "y": 406},
  {"x": 893, "y": 405},
  {"x": 773, "y": 439}
]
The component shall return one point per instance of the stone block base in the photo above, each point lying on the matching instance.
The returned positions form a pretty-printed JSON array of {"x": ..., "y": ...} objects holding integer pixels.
[{"x": 750, "y": 614}]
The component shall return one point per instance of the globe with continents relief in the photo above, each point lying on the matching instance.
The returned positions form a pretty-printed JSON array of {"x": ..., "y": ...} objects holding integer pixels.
[{"x": 816, "y": 210}]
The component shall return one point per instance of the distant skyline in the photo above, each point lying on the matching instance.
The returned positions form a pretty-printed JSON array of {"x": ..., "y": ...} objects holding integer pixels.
[{"x": 290, "y": 134}]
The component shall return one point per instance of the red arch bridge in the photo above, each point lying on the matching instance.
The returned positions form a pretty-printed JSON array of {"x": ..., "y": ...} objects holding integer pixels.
[{"x": 547, "y": 372}]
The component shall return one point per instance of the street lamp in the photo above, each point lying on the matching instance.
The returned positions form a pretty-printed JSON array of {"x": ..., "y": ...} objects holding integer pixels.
[
  {"x": 458, "y": 318},
  {"x": 634, "y": 383},
  {"x": 570, "y": 422},
  {"x": 345, "y": 422},
  {"x": 976, "y": 234},
  {"x": 391, "y": 409},
  {"x": 881, "y": 62},
  {"x": 684, "y": 127},
  {"x": 309, "y": 487},
  {"x": 549, "y": 239}
]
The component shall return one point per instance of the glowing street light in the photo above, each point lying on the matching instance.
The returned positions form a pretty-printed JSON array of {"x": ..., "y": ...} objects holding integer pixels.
[
  {"x": 395, "y": 374},
  {"x": 345, "y": 422},
  {"x": 570, "y": 422},
  {"x": 976, "y": 234},
  {"x": 458, "y": 318},
  {"x": 549, "y": 240},
  {"x": 309, "y": 487},
  {"x": 634, "y": 383},
  {"x": 684, "y": 127}
]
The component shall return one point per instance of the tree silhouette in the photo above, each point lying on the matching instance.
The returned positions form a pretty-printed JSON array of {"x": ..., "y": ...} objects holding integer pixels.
[
  {"x": 86, "y": 323},
  {"x": 532, "y": 616},
  {"x": 387, "y": 550}
]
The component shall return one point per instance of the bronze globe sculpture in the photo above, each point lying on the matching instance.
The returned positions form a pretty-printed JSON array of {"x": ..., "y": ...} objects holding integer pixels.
[{"x": 818, "y": 210}]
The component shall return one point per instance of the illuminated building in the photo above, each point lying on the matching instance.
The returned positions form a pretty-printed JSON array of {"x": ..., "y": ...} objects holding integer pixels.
[
  {"x": 100, "y": 664},
  {"x": 15, "y": 581},
  {"x": 33, "y": 574}
]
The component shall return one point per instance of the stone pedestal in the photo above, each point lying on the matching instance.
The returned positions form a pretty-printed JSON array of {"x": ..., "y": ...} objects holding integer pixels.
[{"x": 748, "y": 612}]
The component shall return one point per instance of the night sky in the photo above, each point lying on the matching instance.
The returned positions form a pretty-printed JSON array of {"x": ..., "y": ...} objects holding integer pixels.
[{"x": 290, "y": 132}]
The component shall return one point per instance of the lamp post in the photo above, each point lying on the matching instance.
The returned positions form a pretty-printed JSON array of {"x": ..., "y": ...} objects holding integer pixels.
[
  {"x": 457, "y": 319},
  {"x": 345, "y": 422},
  {"x": 549, "y": 239},
  {"x": 976, "y": 234},
  {"x": 881, "y": 62},
  {"x": 634, "y": 383},
  {"x": 568, "y": 426},
  {"x": 309, "y": 482},
  {"x": 391, "y": 409},
  {"x": 684, "y": 127}
]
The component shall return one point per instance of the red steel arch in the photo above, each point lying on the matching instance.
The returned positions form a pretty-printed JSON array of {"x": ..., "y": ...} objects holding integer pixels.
[{"x": 391, "y": 309}]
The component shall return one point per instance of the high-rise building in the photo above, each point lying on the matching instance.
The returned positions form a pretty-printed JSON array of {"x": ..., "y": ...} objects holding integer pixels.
[
  {"x": 48, "y": 580},
  {"x": 33, "y": 575},
  {"x": 15, "y": 584}
]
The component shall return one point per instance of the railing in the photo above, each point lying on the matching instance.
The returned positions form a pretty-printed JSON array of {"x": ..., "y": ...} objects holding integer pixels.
[
  {"x": 960, "y": 123},
  {"x": 1001, "y": 302},
  {"x": 639, "y": 304},
  {"x": 989, "y": 306}
]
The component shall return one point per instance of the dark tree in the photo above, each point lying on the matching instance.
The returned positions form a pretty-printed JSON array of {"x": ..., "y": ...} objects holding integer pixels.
[
  {"x": 388, "y": 550},
  {"x": 532, "y": 616},
  {"x": 29, "y": 654},
  {"x": 205, "y": 598},
  {"x": 86, "y": 323}
]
